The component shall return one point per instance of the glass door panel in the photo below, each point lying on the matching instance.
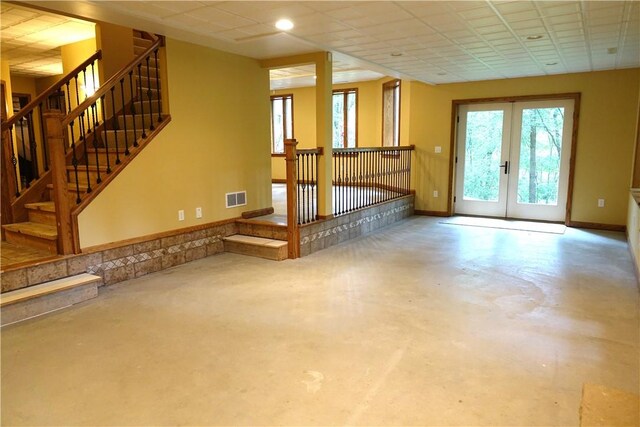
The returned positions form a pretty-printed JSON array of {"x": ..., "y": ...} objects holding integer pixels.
[
  {"x": 541, "y": 148},
  {"x": 483, "y": 148}
]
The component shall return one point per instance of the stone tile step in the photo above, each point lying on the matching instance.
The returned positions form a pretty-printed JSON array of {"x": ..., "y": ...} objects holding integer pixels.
[
  {"x": 251, "y": 227},
  {"x": 44, "y": 298},
  {"x": 256, "y": 246}
]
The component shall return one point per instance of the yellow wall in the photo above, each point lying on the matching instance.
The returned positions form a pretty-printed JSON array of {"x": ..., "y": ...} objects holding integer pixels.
[
  {"x": 25, "y": 85},
  {"x": 44, "y": 83},
  {"x": 116, "y": 43},
  {"x": 74, "y": 54},
  {"x": 5, "y": 75},
  {"x": 606, "y": 136},
  {"x": 218, "y": 141}
]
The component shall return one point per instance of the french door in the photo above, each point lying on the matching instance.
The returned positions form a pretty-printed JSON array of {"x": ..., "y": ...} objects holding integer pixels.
[{"x": 513, "y": 159}]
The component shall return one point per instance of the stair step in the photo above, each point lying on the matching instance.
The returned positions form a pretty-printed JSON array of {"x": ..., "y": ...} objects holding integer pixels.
[
  {"x": 82, "y": 174},
  {"x": 71, "y": 191},
  {"x": 130, "y": 135},
  {"x": 102, "y": 156},
  {"x": 33, "y": 234},
  {"x": 139, "y": 108},
  {"x": 36, "y": 300},
  {"x": 139, "y": 41},
  {"x": 256, "y": 246},
  {"x": 261, "y": 229},
  {"x": 42, "y": 212}
]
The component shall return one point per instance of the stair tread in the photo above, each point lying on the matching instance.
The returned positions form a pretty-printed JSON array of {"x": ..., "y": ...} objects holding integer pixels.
[
  {"x": 70, "y": 186},
  {"x": 83, "y": 168},
  {"x": 257, "y": 241},
  {"x": 58, "y": 285},
  {"x": 42, "y": 206},
  {"x": 35, "y": 229}
]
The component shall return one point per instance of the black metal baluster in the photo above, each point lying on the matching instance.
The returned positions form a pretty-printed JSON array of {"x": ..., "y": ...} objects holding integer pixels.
[
  {"x": 106, "y": 139},
  {"x": 334, "y": 182},
  {"x": 299, "y": 204},
  {"x": 144, "y": 127},
  {"x": 33, "y": 147},
  {"x": 24, "y": 151},
  {"x": 96, "y": 140},
  {"x": 14, "y": 161},
  {"x": 124, "y": 119},
  {"x": 155, "y": 57},
  {"x": 360, "y": 180},
  {"x": 314, "y": 168},
  {"x": 133, "y": 110},
  {"x": 74, "y": 162},
  {"x": 115, "y": 128},
  {"x": 83, "y": 137},
  {"x": 149, "y": 95},
  {"x": 43, "y": 138},
  {"x": 308, "y": 187}
]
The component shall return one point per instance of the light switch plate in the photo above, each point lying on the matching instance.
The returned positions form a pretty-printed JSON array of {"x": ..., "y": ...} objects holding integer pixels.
[
  {"x": 198, "y": 212},
  {"x": 181, "y": 215},
  {"x": 438, "y": 149}
]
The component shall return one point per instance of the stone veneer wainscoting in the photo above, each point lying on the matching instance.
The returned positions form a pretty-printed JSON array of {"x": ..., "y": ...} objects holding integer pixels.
[
  {"x": 127, "y": 260},
  {"x": 323, "y": 234}
]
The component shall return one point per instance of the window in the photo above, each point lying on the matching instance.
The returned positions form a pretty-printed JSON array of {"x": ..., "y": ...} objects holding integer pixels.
[
  {"x": 345, "y": 118},
  {"x": 391, "y": 114},
  {"x": 281, "y": 121}
]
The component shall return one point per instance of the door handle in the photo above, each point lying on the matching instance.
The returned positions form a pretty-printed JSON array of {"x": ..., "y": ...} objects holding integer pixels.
[{"x": 506, "y": 167}]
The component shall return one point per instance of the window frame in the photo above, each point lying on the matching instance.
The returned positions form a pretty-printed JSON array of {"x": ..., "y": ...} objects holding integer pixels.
[
  {"x": 283, "y": 97},
  {"x": 392, "y": 86},
  {"x": 345, "y": 93}
]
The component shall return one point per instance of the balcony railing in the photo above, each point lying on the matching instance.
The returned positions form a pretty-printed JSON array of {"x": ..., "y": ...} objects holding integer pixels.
[{"x": 364, "y": 177}]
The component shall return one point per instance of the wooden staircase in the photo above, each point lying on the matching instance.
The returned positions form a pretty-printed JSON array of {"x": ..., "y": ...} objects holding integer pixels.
[{"x": 112, "y": 147}]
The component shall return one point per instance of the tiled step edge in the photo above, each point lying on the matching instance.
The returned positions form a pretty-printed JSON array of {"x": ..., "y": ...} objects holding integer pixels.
[
  {"x": 256, "y": 246},
  {"x": 40, "y": 299}
]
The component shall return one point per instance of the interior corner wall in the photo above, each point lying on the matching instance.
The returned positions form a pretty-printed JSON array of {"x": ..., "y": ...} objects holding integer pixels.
[
  {"x": 74, "y": 54},
  {"x": 218, "y": 141},
  {"x": 44, "y": 83},
  {"x": 606, "y": 136},
  {"x": 635, "y": 183}
]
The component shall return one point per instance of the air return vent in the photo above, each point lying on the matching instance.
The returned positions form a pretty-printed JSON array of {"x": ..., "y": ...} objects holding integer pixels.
[{"x": 236, "y": 199}]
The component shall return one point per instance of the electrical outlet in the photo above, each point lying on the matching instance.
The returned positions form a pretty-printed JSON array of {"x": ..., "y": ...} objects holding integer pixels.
[
  {"x": 181, "y": 215},
  {"x": 438, "y": 149},
  {"x": 435, "y": 193},
  {"x": 198, "y": 212},
  {"x": 601, "y": 203}
]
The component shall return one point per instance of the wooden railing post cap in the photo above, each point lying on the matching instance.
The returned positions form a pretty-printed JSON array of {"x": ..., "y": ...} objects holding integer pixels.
[{"x": 290, "y": 142}]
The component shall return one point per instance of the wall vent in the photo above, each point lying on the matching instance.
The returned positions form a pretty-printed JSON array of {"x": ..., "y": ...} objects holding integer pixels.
[{"x": 239, "y": 198}]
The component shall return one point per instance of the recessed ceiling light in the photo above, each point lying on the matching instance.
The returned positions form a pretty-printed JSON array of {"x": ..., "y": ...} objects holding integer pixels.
[
  {"x": 396, "y": 54},
  {"x": 612, "y": 50},
  {"x": 551, "y": 63},
  {"x": 442, "y": 74},
  {"x": 536, "y": 37},
  {"x": 284, "y": 25}
]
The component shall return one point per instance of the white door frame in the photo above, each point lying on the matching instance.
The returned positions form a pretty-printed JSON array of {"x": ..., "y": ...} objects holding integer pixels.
[{"x": 456, "y": 103}]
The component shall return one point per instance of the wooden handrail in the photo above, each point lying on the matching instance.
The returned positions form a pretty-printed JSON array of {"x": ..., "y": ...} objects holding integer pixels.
[
  {"x": 106, "y": 86},
  {"x": 319, "y": 151},
  {"x": 371, "y": 149},
  {"x": 44, "y": 95}
]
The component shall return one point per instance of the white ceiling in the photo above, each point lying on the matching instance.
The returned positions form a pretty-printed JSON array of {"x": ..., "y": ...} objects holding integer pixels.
[
  {"x": 30, "y": 39},
  {"x": 431, "y": 41}
]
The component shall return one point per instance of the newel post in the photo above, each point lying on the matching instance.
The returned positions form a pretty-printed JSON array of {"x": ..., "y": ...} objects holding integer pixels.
[
  {"x": 56, "y": 142},
  {"x": 293, "y": 230},
  {"x": 9, "y": 180}
]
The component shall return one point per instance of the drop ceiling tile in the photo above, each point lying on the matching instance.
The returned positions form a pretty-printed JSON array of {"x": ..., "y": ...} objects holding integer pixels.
[
  {"x": 491, "y": 29},
  {"x": 220, "y": 18},
  {"x": 513, "y": 6},
  {"x": 563, "y": 19}
]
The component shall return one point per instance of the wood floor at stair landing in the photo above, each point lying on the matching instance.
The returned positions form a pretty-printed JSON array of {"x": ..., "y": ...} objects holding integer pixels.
[{"x": 13, "y": 255}]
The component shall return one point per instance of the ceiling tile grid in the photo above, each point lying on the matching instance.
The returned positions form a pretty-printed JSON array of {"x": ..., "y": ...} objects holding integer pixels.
[{"x": 431, "y": 41}]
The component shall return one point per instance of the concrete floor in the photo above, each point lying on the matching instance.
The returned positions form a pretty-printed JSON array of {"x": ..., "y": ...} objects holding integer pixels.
[{"x": 421, "y": 323}]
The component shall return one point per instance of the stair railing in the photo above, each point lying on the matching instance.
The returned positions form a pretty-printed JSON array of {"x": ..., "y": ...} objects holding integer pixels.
[
  {"x": 100, "y": 135},
  {"x": 366, "y": 176},
  {"x": 26, "y": 159}
]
